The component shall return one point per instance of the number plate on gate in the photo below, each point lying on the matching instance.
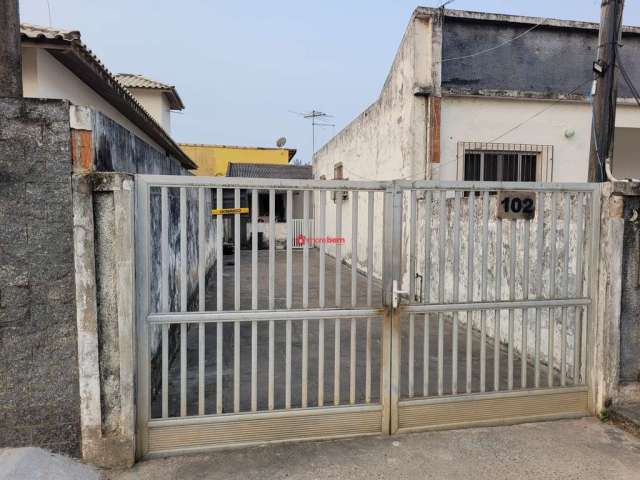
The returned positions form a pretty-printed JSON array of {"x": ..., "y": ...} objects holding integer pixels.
[{"x": 516, "y": 205}]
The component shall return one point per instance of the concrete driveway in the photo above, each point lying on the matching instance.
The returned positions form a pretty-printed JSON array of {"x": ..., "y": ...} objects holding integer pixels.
[{"x": 573, "y": 449}]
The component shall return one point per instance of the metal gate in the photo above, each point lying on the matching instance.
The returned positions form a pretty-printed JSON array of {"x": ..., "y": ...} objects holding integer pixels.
[{"x": 411, "y": 306}]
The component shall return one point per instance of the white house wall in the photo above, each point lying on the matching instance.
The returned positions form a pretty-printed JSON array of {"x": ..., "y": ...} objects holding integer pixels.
[
  {"x": 156, "y": 104},
  {"x": 482, "y": 119},
  {"x": 46, "y": 77}
]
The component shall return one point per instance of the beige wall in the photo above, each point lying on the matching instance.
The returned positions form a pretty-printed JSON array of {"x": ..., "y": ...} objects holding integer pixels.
[
  {"x": 387, "y": 141},
  {"x": 44, "y": 77},
  {"x": 481, "y": 119},
  {"x": 626, "y": 155},
  {"x": 156, "y": 104}
]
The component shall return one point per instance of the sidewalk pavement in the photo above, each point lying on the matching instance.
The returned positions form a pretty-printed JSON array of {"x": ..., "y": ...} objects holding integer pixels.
[{"x": 582, "y": 449}]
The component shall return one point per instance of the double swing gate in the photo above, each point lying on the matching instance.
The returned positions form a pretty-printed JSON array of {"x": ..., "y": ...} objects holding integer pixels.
[{"x": 411, "y": 306}]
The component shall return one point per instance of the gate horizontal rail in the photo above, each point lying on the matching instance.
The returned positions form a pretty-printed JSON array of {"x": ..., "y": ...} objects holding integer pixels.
[
  {"x": 501, "y": 305},
  {"x": 263, "y": 315}
]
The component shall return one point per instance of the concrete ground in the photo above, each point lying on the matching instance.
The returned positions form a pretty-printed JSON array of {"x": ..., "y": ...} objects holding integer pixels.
[{"x": 573, "y": 449}]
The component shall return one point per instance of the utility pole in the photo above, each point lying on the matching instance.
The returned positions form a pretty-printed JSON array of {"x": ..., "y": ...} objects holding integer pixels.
[
  {"x": 605, "y": 89},
  {"x": 10, "y": 50}
]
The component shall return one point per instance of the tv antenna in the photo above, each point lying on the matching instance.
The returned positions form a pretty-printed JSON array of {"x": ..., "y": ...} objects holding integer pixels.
[{"x": 313, "y": 115}]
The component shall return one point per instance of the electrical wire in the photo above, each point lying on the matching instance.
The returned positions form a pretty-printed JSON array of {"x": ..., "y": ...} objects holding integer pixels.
[
  {"x": 537, "y": 114},
  {"x": 627, "y": 78},
  {"x": 482, "y": 52}
]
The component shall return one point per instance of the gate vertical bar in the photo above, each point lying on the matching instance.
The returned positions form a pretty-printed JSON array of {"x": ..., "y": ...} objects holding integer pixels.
[
  {"x": 426, "y": 292},
  {"x": 442, "y": 238},
  {"x": 354, "y": 295},
  {"x": 201, "y": 298},
  {"x": 539, "y": 286},
  {"x": 272, "y": 274},
  {"x": 305, "y": 296},
  {"x": 456, "y": 289},
  {"x": 470, "y": 278},
  {"x": 236, "y": 302},
  {"x": 219, "y": 300},
  {"x": 164, "y": 294},
  {"x": 565, "y": 288},
  {"x": 552, "y": 289},
  {"x": 484, "y": 282},
  {"x": 413, "y": 233},
  {"x": 321, "y": 293},
  {"x": 498, "y": 296},
  {"x": 370, "y": 225},
  {"x": 392, "y": 260},
  {"x": 183, "y": 301},
  {"x": 525, "y": 312},
  {"x": 143, "y": 269},
  {"x": 287, "y": 364},
  {"x": 577, "y": 345},
  {"x": 512, "y": 296}
]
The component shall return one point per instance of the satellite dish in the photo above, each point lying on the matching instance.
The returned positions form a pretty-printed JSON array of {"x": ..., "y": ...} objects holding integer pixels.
[{"x": 281, "y": 142}]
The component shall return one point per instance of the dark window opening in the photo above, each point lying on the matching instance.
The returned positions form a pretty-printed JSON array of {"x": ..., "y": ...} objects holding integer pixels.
[{"x": 500, "y": 166}]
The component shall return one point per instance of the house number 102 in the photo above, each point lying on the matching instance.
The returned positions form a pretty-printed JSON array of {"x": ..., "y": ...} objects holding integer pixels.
[{"x": 516, "y": 205}]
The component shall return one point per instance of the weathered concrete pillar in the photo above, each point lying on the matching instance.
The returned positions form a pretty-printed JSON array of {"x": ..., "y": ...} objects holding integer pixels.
[
  {"x": 103, "y": 243},
  {"x": 605, "y": 330},
  {"x": 10, "y": 50}
]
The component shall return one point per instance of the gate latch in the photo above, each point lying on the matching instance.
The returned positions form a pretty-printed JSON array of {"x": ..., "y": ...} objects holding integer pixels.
[{"x": 396, "y": 294}]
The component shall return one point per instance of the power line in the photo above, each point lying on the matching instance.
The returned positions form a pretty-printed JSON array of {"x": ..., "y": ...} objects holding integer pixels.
[
  {"x": 626, "y": 77},
  {"x": 560, "y": 100},
  {"x": 482, "y": 52}
]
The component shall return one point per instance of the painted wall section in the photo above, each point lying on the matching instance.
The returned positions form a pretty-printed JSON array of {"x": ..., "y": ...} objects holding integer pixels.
[
  {"x": 483, "y": 119},
  {"x": 626, "y": 155},
  {"x": 550, "y": 60},
  {"x": 45, "y": 77},
  {"x": 156, "y": 104},
  {"x": 213, "y": 160}
]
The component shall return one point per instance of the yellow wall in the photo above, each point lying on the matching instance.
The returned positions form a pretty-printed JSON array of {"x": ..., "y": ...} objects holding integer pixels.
[{"x": 212, "y": 160}]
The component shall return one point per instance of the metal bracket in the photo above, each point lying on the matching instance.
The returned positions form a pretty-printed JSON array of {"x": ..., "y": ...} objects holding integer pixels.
[{"x": 397, "y": 294}]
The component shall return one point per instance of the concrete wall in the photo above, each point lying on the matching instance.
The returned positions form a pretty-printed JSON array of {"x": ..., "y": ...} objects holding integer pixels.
[
  {"x": 156, "y": 104},
  {"x": 389, "y": 139},
  {"x": 630, "y": 295},
  {"x": 45, "y": 77},
  {"x": 115, "y": 148},
  {"x": 550, "y": 59},
  {"x": 626, "y": 156},
  {"x": 39, "y": 394}
]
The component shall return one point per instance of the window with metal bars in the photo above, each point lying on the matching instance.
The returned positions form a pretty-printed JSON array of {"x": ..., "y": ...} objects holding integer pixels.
[{"x": 493, "y": 166}]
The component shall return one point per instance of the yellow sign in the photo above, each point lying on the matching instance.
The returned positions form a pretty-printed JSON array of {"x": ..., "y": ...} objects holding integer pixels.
[{"x": 228, "y": 211}]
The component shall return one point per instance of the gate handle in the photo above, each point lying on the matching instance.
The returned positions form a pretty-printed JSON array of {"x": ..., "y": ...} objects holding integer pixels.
[{"x": 396, "y": 294}]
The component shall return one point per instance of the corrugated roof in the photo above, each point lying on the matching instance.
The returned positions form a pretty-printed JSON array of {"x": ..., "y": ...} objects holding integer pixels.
[
  {"x": 269, "y": 170},
  {"x": 131, "y": 80},
  {"x": 36, "y": 31},
  {"x": 66, "y": 46}
]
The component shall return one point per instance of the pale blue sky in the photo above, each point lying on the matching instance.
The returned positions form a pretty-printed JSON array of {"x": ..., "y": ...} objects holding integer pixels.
[{"x": 241, "y": 66}]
